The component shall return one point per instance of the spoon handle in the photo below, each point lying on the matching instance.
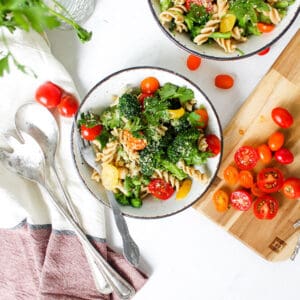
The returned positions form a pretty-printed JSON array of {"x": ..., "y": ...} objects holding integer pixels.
[
  {"x": 100, "y": 282},
  {"x": 119, "y": 285}
]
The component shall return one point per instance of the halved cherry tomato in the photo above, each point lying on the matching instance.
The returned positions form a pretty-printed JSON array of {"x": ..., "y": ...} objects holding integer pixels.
[
  {"x": 264, "y": 153},
  {"x": 48, "y": 94},
  {"x": 246, "y": 179},
  {"x": 241, "y": 200},
  {"x": 214, "y": 144},
  {"x": 149, "y": 85},
  {"x": 246, "y": 157},
  {"x": 282, "y": 117},
  {"x": 68, "y": 106},
  {"x": 193, "y": 62},
  {"x": 276, "y": 140},
  {"x": 231, "y": 175},
  {"x": 134, "y": 143},
  {"x": 291, "y": 188},
  {"x": 265, "y": 207},
  {"x": 263, "y": 52},
  {"x": 263, "y": 27},
  {"x": 256, "y": 191},
  {"x": 90, "y": 133},
  {"x": 270, "y": 180},
  {"x": 160, "y": 189},
  {"x": 203, "y": 121},
  {"x": 221, "y": 200},
  {"x": 284, "y": 156},
  {"x": 224, "y": 81}
]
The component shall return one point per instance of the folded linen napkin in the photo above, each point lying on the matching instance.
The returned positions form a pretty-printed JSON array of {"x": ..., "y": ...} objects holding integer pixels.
[{"x": 40, "y": 256}]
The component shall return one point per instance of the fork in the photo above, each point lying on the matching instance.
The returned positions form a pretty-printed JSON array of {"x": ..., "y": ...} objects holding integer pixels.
[{"x": 130, "y": 248}]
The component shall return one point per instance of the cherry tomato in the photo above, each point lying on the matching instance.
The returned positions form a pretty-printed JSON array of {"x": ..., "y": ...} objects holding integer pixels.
[
  {"x": 214, "y": 144},
  {"x": 291, "y": 188},
  {"x": 246, "y": 157},
  {"x": 263, "y": 52},
  {"x": 241, "y": 200},
  {"x": 246, "y": 179},
  {"x": 221, "y": 200},
  {"x": 265, "y": 207},
  {"x": 264, "y": 153},
  {"x": 90, "y": 133},
  {"x": 193, "y": 62},
  {"x": 48, "y": 94},
  {"x": 224, "y": 81},
  {"x": 263, "y": 27},
  {"x": 188, "y": 3},
  {"x": 256, "y": 191},
  {"x": 134, "y": 143},
  {"x": 142, "y": 98},
  {"x": 284, "y": 156},
  {"x": 160, "y": 189},
  {"x": 231, "y": 175},
  {"x": 276, "y": 140},
  {"x": 68, "y": 106},
  {"x": 203, "y": 121},
  {"x": 149, "y": 85},
  {"x": 282, "y": 117},
  {"x": 270, "y": 180}
]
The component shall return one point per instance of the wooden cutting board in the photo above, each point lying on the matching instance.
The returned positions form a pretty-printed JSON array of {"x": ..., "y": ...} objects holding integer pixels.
[{"x": 272, "y": 239}]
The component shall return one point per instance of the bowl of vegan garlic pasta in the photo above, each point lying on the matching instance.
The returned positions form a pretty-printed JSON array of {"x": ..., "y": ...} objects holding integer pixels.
[
  {"x": 156, "y": 138},
  {"x": 224, "y": 29}
]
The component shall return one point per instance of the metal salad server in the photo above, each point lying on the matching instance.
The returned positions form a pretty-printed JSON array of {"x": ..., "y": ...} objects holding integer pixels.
[
  {"x": 130, "y": 248},
  {"x": 27, "y": 160},
  {"x": 39, "y": 123}
]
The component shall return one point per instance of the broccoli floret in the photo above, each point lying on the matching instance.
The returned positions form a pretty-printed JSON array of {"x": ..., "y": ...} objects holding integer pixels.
[
  {"x": 122, "y": 199},
  {"x": 150, "y": 159},
  {"x": 156, "y": 111},
  {"x": 129, "y": 106},
  {"x": 133, "y": 125},
  {"x": 185, "y": 147},
  {"x": 181, "y": 124},
  {"x": 110, "y": 118},
  {"x": 173, "y": 169}
]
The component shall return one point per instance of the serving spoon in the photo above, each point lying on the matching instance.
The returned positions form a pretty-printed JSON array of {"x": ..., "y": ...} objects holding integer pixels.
[{"x": 27, "y": 160}]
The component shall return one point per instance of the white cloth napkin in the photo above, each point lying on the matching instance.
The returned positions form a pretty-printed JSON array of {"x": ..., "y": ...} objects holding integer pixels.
[{"x": 21, "y": 199}]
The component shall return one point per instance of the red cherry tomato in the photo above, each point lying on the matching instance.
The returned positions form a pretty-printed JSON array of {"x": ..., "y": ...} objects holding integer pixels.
[
  {"x": 264, "y": 153},
  {"x": 270, "y": 180},
  {"x": 276, "y": 140},
  {"x": 246, "y": 179},
  {"x": 291, "y": 188},
  {"x": 263, "y": 27},
  {"x": 48, "y": 94},
  {"x": 149, "y": 85},
  {"x": 188, "y": 3},
  {"x": 282, "y": 117},
  {"x": 214, "y": 144},
  {"x": 246, "y": 157},
  {"x": 90, "y": 133},
  {"x": 68, "y": 106},
  {"x": 203, "y": 120},
  {"x": 263, "y": 52},
  {"x": 265, "y": 207},
  {"x": 241, "y": 200},
  {"x": 193, "y": 62},
  {"x": 284, "y": 156},
  {"x": 224, "y": 81},
  {"x": 160, "y": 189},
  {"x": 256, "y": 191}
]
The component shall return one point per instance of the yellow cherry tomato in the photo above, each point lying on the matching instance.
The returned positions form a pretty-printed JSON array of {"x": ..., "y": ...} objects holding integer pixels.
[
  {"x": 109, "y": 176},
  {"x": 227, "y": 23},
  {"x": 184, "y": 189},
  {"x": 176, "y": 113}
]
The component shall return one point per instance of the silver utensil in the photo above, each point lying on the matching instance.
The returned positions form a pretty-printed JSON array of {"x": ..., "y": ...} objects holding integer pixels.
[
  {"x": 27, "y": 160},
  {"x": 130, "y": 248},
  {"x": 296, "y": 225},
  {"x": 39, "y": 123}
]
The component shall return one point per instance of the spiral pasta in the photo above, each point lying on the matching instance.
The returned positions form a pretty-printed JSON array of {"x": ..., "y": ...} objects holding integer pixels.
[
  {"x": 192, "y": 172},
  {"x": 166, "y": 176},
  {"x": 209, "y": 28},
  {"x": 202, "y": 143},
  {"x": 236, "y": 34},
  {"x": 174, "y": 14},
  {"x": 272, "y": 14},
  {"x": 108, "y": 153},
  {"x": 226, "y": 44}
]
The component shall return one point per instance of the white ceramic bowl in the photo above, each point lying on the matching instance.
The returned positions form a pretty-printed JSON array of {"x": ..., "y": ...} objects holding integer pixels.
[
  {"x": 100, "y": 97},
  {"x": 254, "y": 44}
]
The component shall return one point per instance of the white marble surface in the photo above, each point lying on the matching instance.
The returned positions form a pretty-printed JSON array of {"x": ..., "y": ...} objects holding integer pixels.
[{"x": 187, "y": 256}]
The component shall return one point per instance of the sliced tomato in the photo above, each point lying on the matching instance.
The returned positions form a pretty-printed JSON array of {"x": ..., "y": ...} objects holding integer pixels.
[
  {"x": 160, "y": 189},
  {"x": 291, "y": 188},
  {"x": 241, "y": 200},
  {"x": 256, "y": 191},
  {"x": 221, "y": 200},
  {"x": 214, "y": 144},
  {"x": 264, "y": 153},
  {"x": 231, "y": 175},
  {"x": 246, "y": 157},
  {"x": 270, "y": 180},
  {"x": 282, "y": 117},
  {"x": 246, "y": 179},
  {"x": 265, "y": 207},
  {"x": 90, "y": 133}
]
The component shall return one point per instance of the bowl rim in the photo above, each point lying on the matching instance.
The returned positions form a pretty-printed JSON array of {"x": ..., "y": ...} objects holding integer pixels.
[
  {"x": 74, "y": 127},
  {"x": 238, "y": 57}
]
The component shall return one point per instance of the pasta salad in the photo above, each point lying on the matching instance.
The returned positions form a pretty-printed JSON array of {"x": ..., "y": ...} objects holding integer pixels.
[
  {"x": 151, "y": 140},
  {"x": 225, "y": 23}
]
